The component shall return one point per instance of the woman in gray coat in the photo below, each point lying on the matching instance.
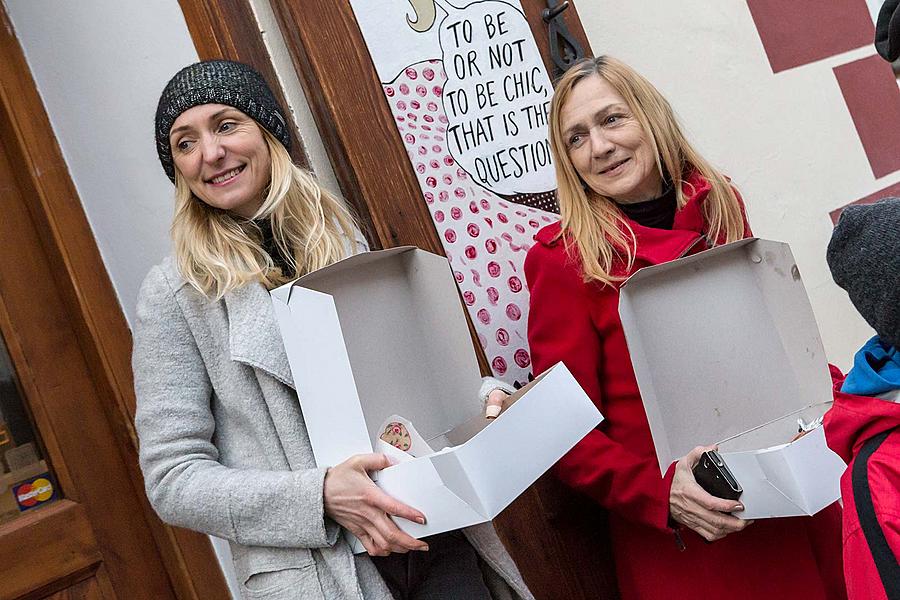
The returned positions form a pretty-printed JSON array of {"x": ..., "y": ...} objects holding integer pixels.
[{"x": 223, "y": 445}]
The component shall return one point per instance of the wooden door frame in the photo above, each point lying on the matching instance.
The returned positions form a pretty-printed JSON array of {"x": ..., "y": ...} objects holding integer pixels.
[
  {"x": 91, "y": 308},
  {"x": 370, "y": 162}
]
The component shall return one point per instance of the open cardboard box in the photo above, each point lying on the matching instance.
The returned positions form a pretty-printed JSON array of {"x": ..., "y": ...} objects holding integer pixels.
[
  {"x": 384, "y": 333},
  {"x": 726, "y": 349}
]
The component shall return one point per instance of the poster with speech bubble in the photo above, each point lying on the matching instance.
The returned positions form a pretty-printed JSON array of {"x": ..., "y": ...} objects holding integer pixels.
[
  {"x": 497, "y": 98},
  {"x": 470, "y": 98}
]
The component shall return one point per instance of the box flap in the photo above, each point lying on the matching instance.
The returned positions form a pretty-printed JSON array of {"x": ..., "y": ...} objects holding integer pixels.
[
  {"x": 817, "y": 470},
  {"x": 454, "y": 476},
  {"x": 325, "y": 386},
  {"x": 283, "y": 293},
  {"x": 417, "y": 483},
  {"x": 763, "y": 496},
  {"x": 351, "y": 263},
  {"x": 721, "y": 342},
  {"x": 548, "y": 419}
]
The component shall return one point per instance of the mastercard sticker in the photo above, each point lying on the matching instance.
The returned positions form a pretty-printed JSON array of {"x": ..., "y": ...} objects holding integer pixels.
[{"x": 34, "y": 492}]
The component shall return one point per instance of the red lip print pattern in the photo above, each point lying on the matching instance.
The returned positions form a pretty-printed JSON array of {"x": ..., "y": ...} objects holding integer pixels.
[{"x": 484, "y": 236}]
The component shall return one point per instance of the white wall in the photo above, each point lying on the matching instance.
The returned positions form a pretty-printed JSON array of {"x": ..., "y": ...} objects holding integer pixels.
[
  {"x": 786, "y": 139},
  {"x": 100, "y": 67}
]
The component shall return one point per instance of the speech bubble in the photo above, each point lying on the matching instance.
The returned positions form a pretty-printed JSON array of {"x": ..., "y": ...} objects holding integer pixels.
[{"x": 497, "y": 98}]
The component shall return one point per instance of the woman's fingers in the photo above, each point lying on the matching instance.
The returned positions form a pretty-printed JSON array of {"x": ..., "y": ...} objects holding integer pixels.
[
  {"x": 710, "y": 502},
  {"x": 720, "y": 524},
  {"x": 355, "y": 502},
  {"x": 391, "y": 506},
  {"x": 711, "y": 523},
  {"x": 379, "y": 535},
  {"x": 370, "y": 462},
  {"x": 494, "y": 403},
  {"x": 365, "y": 539},
  {"x": 395, "y": 538},
  {"x": 694, "y": 507},
  {"x": 383, "y": 505},
  {"x": 380, "y": 544},
  {"x": 375, "y": 497}
]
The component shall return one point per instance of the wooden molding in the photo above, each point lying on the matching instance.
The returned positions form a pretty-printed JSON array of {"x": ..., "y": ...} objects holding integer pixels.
[
  {"x": 76, "y": 267},
  {"x": 357, "y": 129},
  {"x": 36, "y": 558}
]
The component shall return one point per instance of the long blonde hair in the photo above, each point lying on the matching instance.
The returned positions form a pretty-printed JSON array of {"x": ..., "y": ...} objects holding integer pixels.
[
  {"x": 217, "y": 251},
  {"x": 593, "y": 223}
]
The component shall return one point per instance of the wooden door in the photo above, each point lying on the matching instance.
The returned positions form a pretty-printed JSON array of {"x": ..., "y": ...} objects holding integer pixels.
[
  {"x": 64, "y": 338},
  {"x": 89, "y": 538}
]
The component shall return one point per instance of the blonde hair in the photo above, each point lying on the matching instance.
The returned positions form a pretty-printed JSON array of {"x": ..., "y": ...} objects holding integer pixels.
[
  {"x": 593, "y": 223},
  {"x": 217, "y": 251}
]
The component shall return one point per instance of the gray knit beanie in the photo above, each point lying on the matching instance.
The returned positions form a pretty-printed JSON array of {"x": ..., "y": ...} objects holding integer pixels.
[
  {"x": 887, "y": 31},
  {"x": 217, "y": 82},
  {"x": 864, "y": 257}
]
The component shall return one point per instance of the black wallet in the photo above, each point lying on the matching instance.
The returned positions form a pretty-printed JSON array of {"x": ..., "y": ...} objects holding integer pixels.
[{"x": 713, "y": 475}]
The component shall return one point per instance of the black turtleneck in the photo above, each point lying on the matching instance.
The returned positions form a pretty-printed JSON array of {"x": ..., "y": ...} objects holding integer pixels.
[
  {"x": 658, "y": 212},
  {"x": 269, "y": 245}
]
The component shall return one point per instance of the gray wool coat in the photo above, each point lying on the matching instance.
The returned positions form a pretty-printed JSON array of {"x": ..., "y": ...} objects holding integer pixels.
[{"x": 224, "y": 449}]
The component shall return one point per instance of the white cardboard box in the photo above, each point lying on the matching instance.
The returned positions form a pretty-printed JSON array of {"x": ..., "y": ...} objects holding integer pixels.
[
  {"x": 384, "y": 333},
  {"x": 726, "y": 349}
]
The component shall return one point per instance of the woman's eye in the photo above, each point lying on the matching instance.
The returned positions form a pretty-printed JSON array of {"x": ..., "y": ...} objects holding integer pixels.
[
  {"x": 183, "y": 145},
  {"x": 575, "y": 140},
  {"x": 226, "y": 126},
  {"x": 612, "y": 119}
]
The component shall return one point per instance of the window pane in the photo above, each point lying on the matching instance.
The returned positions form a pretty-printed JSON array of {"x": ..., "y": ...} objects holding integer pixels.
[{"x": 25, "y": 479}]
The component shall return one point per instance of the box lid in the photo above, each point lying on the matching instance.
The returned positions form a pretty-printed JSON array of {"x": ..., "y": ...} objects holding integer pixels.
[
  {"x": 722, "y": 342},
  {"x": 391, "y": 324}
]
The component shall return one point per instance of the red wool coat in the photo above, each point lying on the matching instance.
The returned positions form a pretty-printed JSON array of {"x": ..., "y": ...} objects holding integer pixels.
[
  {"x": 848, "y": 425},
  {"x": 616, "y": 465}
]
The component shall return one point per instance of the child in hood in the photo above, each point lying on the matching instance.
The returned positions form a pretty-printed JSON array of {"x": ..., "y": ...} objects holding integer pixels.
[{"x": 862, "y": 426}]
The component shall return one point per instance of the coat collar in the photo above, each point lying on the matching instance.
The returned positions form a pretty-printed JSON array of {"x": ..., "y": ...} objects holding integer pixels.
[
  {"x": 855, "y": 419},
  {"x": 253, "y": 334},
  {"x": 655, "y": 246}
]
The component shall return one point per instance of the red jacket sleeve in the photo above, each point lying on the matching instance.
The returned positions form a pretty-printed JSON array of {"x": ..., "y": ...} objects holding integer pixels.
[{"x": 561, "y": 327}]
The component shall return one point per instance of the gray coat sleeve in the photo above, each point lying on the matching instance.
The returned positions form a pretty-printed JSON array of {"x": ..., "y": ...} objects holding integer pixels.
[
  {"x": 185, "y": 483},
  {"x": 489, "y": 384}
]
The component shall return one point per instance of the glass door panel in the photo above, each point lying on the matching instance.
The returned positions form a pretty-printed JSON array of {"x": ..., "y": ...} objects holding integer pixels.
[{"x": 25, "y": 479}]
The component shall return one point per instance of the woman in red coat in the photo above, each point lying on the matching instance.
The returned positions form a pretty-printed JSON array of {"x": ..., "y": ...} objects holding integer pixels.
[{"x": 633, "y": 193}]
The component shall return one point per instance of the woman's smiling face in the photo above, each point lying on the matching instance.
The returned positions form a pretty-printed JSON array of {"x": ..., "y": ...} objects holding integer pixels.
[
  {"x": 222, "y": 155},
  {"x": 607, "y": 145}
]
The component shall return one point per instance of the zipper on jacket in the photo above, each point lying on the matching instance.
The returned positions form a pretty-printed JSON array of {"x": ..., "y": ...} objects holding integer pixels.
[{"x": 679, "y": 542}]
